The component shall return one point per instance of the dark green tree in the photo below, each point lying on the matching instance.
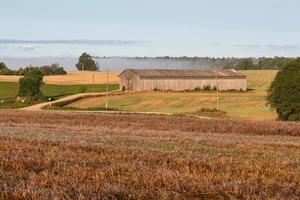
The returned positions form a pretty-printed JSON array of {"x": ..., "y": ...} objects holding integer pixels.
[
  {"x": 4, "y": 70},
  {"x": 54, "y": 69},
  {"x": 23, "y": 71},
  {"x": 284, "y": 92},
  {"x": 29, "y": 85},
  {"x": 245, "y": 64},
  {"x": 57, "y": 69},
  {"x": 87, "y": 63},
  {"x": 2, "y": 66}
]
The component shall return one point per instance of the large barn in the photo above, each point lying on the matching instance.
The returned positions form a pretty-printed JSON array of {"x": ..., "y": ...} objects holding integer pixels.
[{"x": 179, "y": 80}]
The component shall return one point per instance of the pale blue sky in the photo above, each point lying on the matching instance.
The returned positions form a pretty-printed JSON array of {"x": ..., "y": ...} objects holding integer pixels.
[{"x": 218, "y": 28}]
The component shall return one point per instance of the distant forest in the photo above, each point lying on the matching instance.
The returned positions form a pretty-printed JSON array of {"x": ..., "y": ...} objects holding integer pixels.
[{"x": 226, "y": 63}]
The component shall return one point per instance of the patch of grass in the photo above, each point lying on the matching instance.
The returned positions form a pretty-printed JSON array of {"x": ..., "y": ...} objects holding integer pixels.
[
  {"x": 260, "y": 80},
  {"x": 12, "y": 104},
  {"x": 9, "y": 92}
]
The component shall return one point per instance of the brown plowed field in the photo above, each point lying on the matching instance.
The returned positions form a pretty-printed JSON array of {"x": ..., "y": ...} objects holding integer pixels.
[{"x": 57, "y": 155}]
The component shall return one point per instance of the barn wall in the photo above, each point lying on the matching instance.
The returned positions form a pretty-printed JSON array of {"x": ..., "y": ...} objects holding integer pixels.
[
  {"x": 129, "y": 81},
  {"x": 232, "y": 84},
  {"x": 132, "y": 82},
  {"x": 190, "y": 84}
]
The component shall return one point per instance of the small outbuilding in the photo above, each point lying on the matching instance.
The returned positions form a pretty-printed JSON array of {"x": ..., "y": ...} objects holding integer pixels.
[{"x": 180, "y": 80}]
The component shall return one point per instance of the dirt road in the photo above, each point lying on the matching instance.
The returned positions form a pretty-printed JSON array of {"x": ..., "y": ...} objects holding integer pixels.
[{"x": 70, "y": 98}]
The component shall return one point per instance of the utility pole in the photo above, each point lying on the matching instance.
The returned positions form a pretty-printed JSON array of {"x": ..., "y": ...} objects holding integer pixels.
[
  {"x": 106, "y": 105},
  {"x": 217, "y": 86},
  {"x": 82, "y": 67},
  {"x": 260, "y": 64}
]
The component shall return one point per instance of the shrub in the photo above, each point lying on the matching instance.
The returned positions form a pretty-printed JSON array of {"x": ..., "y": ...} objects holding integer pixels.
[
  {"x": 284, "y": 92},
  {"x": 207, "y": 88},
  {"x": 82, "y": 89},
  {"x": 197, "y": 89},
  {"x": 30, "y": 84},
  {"x": 210, "y": 112},
  {"x": 57, "y": 70}
]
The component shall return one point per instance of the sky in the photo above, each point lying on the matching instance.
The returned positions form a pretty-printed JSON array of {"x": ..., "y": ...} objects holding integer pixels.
[{"x": 216, "y": 28}]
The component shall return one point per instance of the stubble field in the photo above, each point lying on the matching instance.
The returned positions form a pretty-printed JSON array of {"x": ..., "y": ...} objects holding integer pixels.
[
  {"x": 73, "y": 78},
  {"x": 58, "y": 155}
]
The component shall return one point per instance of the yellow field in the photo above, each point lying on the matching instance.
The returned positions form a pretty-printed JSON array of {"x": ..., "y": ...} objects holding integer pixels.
[
  {"x": 72, "y": 78},
  {"x": 250, "y": 105},
  {"x": 4, "y": 78}
]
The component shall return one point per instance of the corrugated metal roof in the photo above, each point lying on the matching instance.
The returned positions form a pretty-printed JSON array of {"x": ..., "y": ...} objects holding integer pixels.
[{"x": 186, "y": 73}]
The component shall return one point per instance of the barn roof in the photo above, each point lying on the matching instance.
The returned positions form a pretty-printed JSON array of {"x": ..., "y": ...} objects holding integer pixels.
[{"x": 177, "y": 73}]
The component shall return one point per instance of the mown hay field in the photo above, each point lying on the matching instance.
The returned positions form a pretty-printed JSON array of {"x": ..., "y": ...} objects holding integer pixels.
[
  {"x": 249, "y": 105},
  {"x": 73, "y": 78},
  {"x": 54, "y": 155}
]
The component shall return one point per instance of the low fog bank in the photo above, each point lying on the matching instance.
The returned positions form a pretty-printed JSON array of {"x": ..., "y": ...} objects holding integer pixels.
[{"x": 112, "y": 63}]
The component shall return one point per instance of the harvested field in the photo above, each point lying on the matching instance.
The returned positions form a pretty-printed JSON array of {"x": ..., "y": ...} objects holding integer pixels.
[
  {"x": 91, "y": 156},
  {"x": 72, "y": 78},
  {"x": 5, "y": 78},
  {"x": 236, "y": 105}
]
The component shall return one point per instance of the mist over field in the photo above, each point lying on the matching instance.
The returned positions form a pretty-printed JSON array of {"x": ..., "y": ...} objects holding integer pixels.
[{"x": 111, "y": 63}]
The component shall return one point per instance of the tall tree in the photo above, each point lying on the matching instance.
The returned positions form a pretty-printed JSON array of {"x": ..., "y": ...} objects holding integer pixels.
[
  {"x": 30, "y": 84},
  {"x": 87, "y": 63},
  {"x": 284, "y": 92}
]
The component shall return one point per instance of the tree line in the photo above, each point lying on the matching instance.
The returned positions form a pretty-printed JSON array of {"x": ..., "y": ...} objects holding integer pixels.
[
  {"x": 46, "y": 70},
  {"x": 85, "y": 62}
]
